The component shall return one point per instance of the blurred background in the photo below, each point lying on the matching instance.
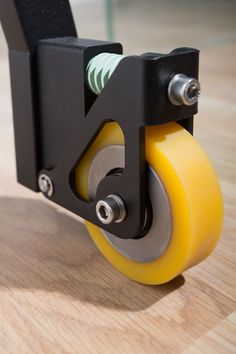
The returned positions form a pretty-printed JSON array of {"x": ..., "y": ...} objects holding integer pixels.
[{"x": 158, "y": 25}]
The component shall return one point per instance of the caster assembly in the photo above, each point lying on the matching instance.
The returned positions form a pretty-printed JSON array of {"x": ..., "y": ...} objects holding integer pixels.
[{"x": 109, "y": 137}]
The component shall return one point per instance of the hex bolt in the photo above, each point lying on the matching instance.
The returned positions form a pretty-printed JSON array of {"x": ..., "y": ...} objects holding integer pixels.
[
  {"x": 111, "y": 209},
  {"x": 183, "y": 90},
  {"x": 45, "y": 185}
]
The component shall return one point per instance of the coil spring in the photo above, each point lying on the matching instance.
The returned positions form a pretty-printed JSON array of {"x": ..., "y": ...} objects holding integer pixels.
[{"x": 100, "y": 69}]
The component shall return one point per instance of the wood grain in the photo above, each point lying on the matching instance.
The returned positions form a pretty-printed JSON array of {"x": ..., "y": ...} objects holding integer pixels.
[
  {"x": 221, "y": 339},
  {"x": 59, "y": 295}
]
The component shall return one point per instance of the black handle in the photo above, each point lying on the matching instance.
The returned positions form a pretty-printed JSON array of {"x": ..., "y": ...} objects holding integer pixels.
[{"x": 25, "y": 22}]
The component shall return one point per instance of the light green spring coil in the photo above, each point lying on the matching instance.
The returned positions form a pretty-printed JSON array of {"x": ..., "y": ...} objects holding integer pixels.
[{"x": 100, "y": 69}]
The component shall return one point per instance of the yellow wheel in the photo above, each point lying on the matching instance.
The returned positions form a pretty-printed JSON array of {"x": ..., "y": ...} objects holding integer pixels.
[{"x": 194, "y": 197}]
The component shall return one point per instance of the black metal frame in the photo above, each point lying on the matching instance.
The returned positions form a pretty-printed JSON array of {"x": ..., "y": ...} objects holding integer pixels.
[{"x": 57, "y": 118}]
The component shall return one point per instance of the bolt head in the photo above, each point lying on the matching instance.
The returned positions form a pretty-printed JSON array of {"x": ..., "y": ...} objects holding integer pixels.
[
  {"x": 45, "y": 185},
  {"x": 104, "y": 212},
  {"x": 111, "y": 209},
  {"x": 183, "y": 90}
]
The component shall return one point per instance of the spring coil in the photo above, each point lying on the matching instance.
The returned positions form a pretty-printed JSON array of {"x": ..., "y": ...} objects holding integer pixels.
[{"x": 100, "y": 69}]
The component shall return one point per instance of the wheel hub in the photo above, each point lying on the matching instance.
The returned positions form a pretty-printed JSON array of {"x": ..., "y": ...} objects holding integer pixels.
[{"x": 155, "y": 242}]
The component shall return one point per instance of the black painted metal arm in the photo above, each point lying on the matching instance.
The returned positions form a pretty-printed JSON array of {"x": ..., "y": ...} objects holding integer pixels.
[{"x": 25, "y": 23}]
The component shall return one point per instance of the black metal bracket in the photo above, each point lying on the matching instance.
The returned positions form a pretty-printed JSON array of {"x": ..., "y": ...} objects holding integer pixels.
[
  {"x": 63, "y": 117},
  {"x": 25, "y": 23}
]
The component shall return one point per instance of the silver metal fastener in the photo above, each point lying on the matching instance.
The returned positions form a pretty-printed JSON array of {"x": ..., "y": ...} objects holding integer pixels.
[
  {"x": 111, "y": 209},
  {"x": 183, "y": 90},
  {"x": 45, "y": 185}
]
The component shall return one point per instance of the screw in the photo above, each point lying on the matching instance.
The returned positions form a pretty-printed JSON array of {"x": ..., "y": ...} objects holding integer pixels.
[
  {"x": 183, "y": 90},
  {"x": 111, "y": 209},
  {"x": 45, "y": 185}
]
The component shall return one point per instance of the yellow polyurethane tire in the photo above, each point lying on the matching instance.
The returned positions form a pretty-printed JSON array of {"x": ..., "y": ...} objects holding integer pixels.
[{"x": 194, "y": 195}]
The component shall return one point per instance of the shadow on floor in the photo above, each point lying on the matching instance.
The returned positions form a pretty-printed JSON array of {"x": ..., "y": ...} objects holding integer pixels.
[{"x": 43, "y": 248}]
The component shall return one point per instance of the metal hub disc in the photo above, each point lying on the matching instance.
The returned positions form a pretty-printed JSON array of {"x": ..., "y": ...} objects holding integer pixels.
[{"x": 155, "y": 242}]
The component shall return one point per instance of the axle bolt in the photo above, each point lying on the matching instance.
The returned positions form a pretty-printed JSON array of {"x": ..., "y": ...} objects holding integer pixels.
[
  {"x": 111, "y": 209},
  {"x": 45, "y": 185},
  {"x": 183, "y": 90}
]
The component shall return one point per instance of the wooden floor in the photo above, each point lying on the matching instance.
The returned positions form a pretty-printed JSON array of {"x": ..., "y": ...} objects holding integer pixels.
[{"x": 57, "y": 293}]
